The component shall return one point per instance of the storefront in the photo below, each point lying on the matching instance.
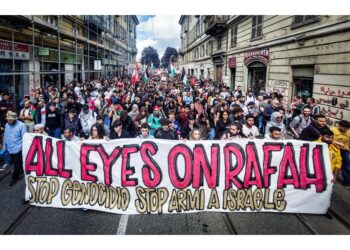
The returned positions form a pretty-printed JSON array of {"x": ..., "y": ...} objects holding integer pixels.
[
  {"x": 256, "y": 62},
  {"x": 110, "y": 67},
  {"x": 14, "y": 69},
  {"x": 49, "y": 65}
]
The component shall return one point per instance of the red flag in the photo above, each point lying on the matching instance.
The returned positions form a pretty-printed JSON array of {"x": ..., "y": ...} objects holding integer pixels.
[{"x": 135, "y": 75}]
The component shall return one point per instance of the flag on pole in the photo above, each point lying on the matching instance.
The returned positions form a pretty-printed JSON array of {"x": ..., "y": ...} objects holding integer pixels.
[
  {"x": 185, "y": 79},
  {"x": 135, "y": 75},
  {"x": 183, "y": 73},
  {"x": 172, "y": 70},
  {"x": 145, "y": 78}
]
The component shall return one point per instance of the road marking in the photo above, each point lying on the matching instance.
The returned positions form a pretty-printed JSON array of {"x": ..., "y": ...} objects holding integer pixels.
[{"x": 123, "y": 222}]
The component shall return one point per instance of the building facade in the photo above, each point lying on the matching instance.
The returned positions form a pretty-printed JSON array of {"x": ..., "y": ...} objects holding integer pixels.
[
  {"x": 40, "y": 50},
  {"x": 307, "y": 56}
]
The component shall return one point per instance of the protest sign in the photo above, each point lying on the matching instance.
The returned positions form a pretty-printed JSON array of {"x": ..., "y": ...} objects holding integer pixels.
[{"x": 132, "y": 176}]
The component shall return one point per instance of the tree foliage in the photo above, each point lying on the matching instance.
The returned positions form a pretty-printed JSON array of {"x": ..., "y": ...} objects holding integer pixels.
[
  {"x": 149, "y": 56},
  {"x": 170, "y": 53}
]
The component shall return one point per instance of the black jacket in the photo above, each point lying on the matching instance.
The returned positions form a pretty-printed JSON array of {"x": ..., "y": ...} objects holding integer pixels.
[
  {"x": 312, "y": 132},
  {"x": 53, "y": 119},
  {"x": 166, "y": 135},
  {"x": 124, "y": 134},
  {"x": 75, "y": 124}
]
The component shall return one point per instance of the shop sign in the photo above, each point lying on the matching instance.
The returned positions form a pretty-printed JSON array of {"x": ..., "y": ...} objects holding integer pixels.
[
  {"x": 44, "y": 52},
  {"x": 262, "y": 55},
  {"x": 97, "y": 65},
  {"x": 232, "y": 62},
  {"x": 109, "y": 62},
  {"x": 218, "y": 60},
  {"x": 18, "y": 52},
  {"x": 66, "y": 58}
]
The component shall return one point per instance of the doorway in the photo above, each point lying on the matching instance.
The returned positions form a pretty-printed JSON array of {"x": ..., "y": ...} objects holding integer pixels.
[
  {"x": 257, "y": 77},
  {"x": 219, "y": 73},
  {"x": 303, "y": 80},
  {"x": 233, "y": 79}
]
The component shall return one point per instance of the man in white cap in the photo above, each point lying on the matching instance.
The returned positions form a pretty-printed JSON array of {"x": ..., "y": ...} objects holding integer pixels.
[
  {"x": 39, "y": 129},
  {"x": 13, "y": 138}
]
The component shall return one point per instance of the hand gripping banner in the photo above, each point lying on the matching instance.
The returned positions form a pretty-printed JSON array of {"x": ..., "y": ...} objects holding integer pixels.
[{"x": 158, "y": 176}]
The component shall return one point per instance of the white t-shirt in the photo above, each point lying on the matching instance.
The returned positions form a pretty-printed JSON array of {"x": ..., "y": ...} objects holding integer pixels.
[{"x": 250, "y": 132}]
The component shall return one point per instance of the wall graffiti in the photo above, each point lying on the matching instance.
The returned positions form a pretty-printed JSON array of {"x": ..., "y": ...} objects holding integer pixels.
[
  {"x": 333, "y": 102},
  {"x": 332, "y": 123},
  {"x": 279, "y": 84},
  {"x": 331, "y": 113},
  {"x": 329, "y": 91}
]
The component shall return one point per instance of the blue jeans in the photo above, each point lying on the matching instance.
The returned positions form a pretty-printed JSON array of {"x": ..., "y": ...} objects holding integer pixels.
[
  {"x": 211, "y": 135},
  {"x": 6, "y": 156},
  {"x": 55, "y": 133},
  {"x": 345, "y": 168},
  {"x": 261, "y": 124}
]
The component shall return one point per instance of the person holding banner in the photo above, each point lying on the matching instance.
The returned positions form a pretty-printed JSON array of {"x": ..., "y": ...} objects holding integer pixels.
[
  {"x": 118, "y": 132},
  {"x": 275, "y": 133},
  {"x": 13, "y": 140},
  {"x": 39, "y": 129},
  {"x": 342, "y": 139},
  {"x": 97, "y": 133},
  {"x": 68, "y": 135},
  {"x": 195, "y": 135},
  {"x": 327, "y": 136},
  {"x": 145, "y": 132},
  {"x": 234, "y": 132},
  {"x": 166, "y": 132}
]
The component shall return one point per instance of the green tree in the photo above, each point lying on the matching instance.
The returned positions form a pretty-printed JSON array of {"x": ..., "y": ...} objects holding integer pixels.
[
  {"x": 150, "y": 55},
  {"x": 169, "y": 53}
]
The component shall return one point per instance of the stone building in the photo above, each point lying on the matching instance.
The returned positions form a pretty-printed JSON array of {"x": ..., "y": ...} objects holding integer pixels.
[
  {"x": 40, "y": 50},
  {"x": 293, "y": 55}
]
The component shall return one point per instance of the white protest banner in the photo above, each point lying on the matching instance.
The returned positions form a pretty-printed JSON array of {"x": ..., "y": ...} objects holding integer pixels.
[{"x": 132, "y": 176}]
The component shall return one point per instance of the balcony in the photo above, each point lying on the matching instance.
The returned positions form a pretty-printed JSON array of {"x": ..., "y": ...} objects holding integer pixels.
[
  {"x": 181, "y": 52},
  {"x": 134, "y": 51},
  {"x": 215, "y": 25}
]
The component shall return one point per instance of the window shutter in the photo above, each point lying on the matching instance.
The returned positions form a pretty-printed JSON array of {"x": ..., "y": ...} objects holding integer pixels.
[
  {"x": 307, "y": 18},
  {"x": 254, "y": 21},
  {"x": 253, "y": 32},
  {"x": 298, "y": 20},
  {"x": 259, "y": 31}
]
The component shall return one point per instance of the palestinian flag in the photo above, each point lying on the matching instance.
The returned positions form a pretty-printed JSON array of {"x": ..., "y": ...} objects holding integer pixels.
[
  {"x": 135, "y": 75},
  {"x": 172, "y": 70}
]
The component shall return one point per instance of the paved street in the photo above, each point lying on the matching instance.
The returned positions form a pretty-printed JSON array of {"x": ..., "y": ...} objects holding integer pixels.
[{"x": 20, "y": 218}]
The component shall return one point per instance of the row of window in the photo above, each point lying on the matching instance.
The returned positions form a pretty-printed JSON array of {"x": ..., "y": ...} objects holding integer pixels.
[{"x": 257, "y": 22}]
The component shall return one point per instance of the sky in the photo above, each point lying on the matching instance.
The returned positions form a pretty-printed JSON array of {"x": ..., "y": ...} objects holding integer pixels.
[{"x": 165, "y": 33}]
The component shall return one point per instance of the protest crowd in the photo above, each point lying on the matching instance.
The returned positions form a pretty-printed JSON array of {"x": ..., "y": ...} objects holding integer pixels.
[{"x": 157, "y": 105}]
